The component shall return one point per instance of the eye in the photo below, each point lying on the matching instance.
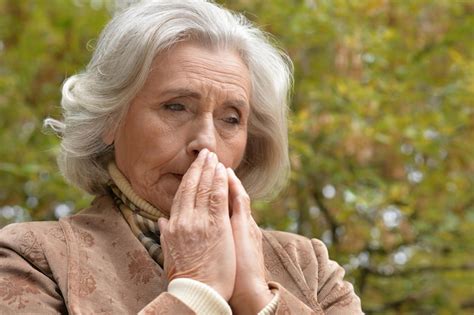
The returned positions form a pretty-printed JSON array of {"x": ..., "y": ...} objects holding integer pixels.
[
  {"x": 234, "y": 120},
  {"x": 176, "y": 107}
]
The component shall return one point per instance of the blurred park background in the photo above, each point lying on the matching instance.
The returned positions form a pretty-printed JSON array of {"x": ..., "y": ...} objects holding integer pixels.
[{"x": 381, "y": 134}]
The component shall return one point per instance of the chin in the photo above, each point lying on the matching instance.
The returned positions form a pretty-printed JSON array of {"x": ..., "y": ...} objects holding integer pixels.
[
  {"x": 162, "y": 194},
  {"x": 164, "y": 203}
]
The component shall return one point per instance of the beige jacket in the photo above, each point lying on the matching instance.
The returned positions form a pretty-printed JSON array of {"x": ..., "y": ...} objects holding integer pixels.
[{"x": 91, "y": 263}]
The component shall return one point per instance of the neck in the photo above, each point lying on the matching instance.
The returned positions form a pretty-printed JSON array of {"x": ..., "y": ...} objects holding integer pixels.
[{"x": 123, "y": 190}]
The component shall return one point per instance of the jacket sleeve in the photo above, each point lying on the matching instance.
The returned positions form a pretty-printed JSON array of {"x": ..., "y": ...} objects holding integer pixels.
[
  {"x": 309, "y": 282},
  {"x": 199, "y": 297},
  {"x": 26, "y": 285},
  {"x": 166, "y": 303},
  {"x": 335, "y": 295}
]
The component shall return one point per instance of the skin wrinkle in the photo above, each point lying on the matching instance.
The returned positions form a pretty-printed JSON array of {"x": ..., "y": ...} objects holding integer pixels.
[
  {"x": 216, "y": 76},
  {"x": 196, "y": 84},
  {"x": 191, "y": 94},
  {"x": 205, "y": 183},
  {"x": 154, "y": 142},
  {"x": 231, "y": 70},
  {"x": 195, "y": 68}
]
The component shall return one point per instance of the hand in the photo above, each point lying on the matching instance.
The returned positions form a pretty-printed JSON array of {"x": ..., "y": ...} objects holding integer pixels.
[
  {"x": 197, "y": 240},
  {"x": 251, "y": 293}
]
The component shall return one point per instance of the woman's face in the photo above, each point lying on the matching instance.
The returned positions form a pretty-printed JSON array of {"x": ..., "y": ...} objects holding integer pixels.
[{"x": 193, "y": 98}]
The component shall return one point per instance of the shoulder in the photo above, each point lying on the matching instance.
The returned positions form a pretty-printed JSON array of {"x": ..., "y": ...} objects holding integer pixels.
[
  {"x": 309, "y": 255},
  {"x": 101, "y": 213},
  {"x": 293, "y": 254},
  {"x": 291, "y": 260},
  {"x": 287, "y": 237},
  {"x": 33, "y": 241},
  {"x": 296, "y": 245},
  {"x": 30, "y": 234},
  {"x": 313, "y": 273},
  {"x": 44, "y": 242}
]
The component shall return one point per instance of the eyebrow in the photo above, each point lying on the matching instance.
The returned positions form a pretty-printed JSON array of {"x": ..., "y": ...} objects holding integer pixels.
[
  {"x": 183, "y": 92},
  {"x": 237, "y": 103}
]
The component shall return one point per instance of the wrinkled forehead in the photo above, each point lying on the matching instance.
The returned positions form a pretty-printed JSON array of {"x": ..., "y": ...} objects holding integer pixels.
[{"x": 191, "y": 62}]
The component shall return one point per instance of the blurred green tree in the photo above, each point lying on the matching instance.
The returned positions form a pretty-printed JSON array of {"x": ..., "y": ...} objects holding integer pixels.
[{"x": 381, "y": 134}]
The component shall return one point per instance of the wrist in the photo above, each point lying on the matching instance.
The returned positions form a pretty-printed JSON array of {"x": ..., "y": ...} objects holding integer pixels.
[{"x": 251, "y": 302}]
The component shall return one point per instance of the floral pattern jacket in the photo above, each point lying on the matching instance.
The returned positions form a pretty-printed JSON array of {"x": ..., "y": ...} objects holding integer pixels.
[{"x": 91, "y": 263}]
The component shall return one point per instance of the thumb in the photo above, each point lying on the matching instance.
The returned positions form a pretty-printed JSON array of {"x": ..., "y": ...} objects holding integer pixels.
[
  {"x": 238, "y": 197},
  {"x": 163, "y": 226},
  {"x": 233, "y": 191}
]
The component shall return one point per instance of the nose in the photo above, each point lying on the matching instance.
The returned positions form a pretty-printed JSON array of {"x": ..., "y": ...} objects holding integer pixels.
[{"x": 202, "y": 136}]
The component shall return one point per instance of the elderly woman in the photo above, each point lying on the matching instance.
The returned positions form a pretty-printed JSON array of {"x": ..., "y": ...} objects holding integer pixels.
[{"x": 178, "y": 121}]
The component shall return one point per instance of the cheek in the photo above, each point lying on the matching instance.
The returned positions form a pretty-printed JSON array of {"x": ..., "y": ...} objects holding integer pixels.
[
  {"x": 233, "y": 152},
  {"x": 147, "y": 137},
  {"x": 144, "y": 152}
]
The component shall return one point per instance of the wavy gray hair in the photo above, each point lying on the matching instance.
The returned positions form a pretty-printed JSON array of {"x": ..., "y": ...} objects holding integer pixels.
[{"x": 95, "y": 100}]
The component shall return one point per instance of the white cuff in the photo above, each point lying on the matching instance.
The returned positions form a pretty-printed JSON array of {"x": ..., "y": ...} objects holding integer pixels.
[
  {"x": 198, "y": 296},
  {"x": 271, "y": 307}
]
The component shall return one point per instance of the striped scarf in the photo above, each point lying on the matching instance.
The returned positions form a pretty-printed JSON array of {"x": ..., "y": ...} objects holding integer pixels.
[{"x": 141, "y": 216}]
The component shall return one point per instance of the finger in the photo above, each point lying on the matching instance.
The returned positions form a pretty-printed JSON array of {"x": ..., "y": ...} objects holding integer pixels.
[
  {"x": 205, "y": 183},
  {"x": 239, "y": 198},
  {"x": 163, "y": 224},
  {"x": 218, "y": 199},
  {"x": 185, "y": 196},
  {"x": 195, "y": 166}
]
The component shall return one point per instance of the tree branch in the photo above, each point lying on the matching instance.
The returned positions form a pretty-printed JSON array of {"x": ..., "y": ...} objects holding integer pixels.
[
  {"x": 407, "y": 272},
  {"x": 394, "y": 304},
  {"x": 332, "y": 222}
]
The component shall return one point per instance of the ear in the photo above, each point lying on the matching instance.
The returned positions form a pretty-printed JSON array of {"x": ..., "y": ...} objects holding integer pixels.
[{"x": 108, "y": 136}]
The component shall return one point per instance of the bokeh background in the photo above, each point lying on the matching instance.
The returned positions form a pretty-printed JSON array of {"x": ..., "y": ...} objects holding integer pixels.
[{"x": 381, "y": 134}]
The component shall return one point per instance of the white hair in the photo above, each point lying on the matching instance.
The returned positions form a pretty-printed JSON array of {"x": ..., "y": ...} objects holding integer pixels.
[{"x": 95, "y": 100}]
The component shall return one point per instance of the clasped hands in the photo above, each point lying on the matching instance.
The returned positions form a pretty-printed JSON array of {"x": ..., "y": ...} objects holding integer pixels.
[{"x": 212, "y": 237}]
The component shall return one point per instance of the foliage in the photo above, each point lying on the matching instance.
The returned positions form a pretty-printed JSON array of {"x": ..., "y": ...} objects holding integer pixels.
[{"x": 381, "y": 134}]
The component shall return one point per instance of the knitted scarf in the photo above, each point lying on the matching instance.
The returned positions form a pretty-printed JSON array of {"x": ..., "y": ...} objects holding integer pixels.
[{"x": 141, "y": 216}]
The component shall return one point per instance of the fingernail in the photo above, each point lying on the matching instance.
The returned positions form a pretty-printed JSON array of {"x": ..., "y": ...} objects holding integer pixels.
[
  {"x": 203, "y": 153},
  {"x": 220, "y": 167},
  {"x": 214, "y": 156}
]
